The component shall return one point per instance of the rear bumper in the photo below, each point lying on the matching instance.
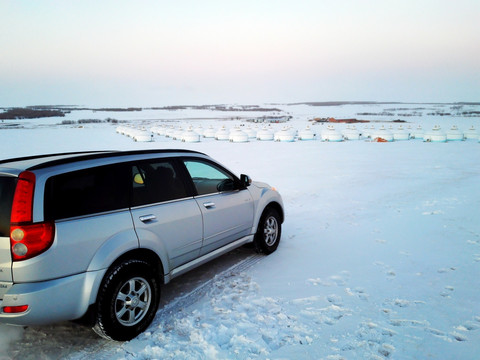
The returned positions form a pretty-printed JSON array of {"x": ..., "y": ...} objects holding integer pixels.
[{"x": 51, "y": 301}]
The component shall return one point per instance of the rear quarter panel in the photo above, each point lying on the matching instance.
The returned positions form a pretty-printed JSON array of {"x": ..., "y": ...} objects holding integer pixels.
[{"x": 81, "y": 244}]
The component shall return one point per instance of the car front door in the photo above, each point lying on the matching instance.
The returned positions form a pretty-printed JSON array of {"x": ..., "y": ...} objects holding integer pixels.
[
  {"x": 165, "y": 216},
  {"x": 227, "y": 209}
]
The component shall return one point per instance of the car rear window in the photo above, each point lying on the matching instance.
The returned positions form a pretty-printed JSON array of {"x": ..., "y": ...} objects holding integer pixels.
[
  {"x": 89, "y": 191},
  {"x": 7, "y": 189}
]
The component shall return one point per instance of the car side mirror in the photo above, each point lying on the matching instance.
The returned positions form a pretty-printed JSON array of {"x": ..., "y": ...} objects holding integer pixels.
[{"x": 245, "y": 180}]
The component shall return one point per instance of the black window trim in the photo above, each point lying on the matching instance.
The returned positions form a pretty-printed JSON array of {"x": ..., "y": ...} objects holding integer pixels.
[{"x": 177, "y": 162}]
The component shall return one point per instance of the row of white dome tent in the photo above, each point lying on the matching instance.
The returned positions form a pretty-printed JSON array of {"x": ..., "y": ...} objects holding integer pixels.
[
  {"x": 136, "y": 134},
  {"x": 383, "y": 134},
  {"x": 436, "y": 134},
  {"x": 289, "y": 134}
]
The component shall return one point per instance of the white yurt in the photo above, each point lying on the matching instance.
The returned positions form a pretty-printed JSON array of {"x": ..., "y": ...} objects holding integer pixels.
[
  {"x": 418, "y": 133},
  {"x": 401, "y": 134},
  {"x": 351, "y": 133},
  {"x": 142, "y": 135},
  {"x": 435, "y": 135},
  {"x": 130, "y": 132},
  {"x": 471, "y": 133},
  {"x": 190, "y": 135},
  {"x": 265, "y": 134},
  {"x": 306, "y": 134},
  {"x": 169, "y": 132},
  {"x": 210, "y": 132},
  {"x": 177, "y": 134},
  {"x": 287, "y": 134},
  {"x": 237, "y": 135},
  {"x": 367, "y": 132},
  {"x": 252, "y": 133},
  {"x": 382, "y": 135},
  {"x": 454, "y": 134},
  {"x": 156, "y": 130},
  {"x": 222, "y": 134},
  {"x": 331, "y": 134},
  {"x": 199, "y": 130}
]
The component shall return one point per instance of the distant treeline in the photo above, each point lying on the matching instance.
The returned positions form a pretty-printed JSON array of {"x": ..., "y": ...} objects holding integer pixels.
[
  {"x": 69, "y": 108},
  {"x": 217, "y": 108},
  {"x": 28, "y": 113},
  {"x": 338, "y": 103},
  {"x": 91, "y": 121},
  {"x": 43, "y": 111},
  {"x": 117, "y": 109}
]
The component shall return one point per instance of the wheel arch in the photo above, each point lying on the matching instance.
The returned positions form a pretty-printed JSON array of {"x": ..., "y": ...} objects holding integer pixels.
[
  {"x": 142, "y": 254},
  {"x": 271, "y": 205},
  {"x": 276, "y": 206},
  {"x": 139, "y": 254}
]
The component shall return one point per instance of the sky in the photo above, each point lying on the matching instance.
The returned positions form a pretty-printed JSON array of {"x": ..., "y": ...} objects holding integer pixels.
[{"x": 165, "y": 52}]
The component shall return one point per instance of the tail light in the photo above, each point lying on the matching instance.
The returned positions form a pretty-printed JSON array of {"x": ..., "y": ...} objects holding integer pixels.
[
  {"x": 22, "y": 207},
  {"x": 15, "y": 309},
  {"x": 26, "y": 238}
]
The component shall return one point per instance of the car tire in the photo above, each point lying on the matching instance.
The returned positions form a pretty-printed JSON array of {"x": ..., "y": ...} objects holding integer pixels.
[
  {"x": 127, "y": 300},
  {"x": 269, "y": 231}
]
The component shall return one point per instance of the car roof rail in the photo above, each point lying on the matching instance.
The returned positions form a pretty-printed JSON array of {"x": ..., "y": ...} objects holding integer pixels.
[
  {"x": 105, "y": 154},
  {"x": 40, "y": 156}
]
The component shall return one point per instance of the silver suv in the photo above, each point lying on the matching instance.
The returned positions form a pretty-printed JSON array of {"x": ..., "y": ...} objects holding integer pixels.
[{"x": 95, "y": 234}]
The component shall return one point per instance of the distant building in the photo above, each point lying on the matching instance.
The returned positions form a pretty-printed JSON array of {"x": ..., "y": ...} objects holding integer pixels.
[{"x": 271, "y": 119}]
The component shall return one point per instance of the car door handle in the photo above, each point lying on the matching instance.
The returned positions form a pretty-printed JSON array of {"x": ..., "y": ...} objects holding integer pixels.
[
  {"x": 209, "y": 204},
  {"x": 145, "y": 218}
]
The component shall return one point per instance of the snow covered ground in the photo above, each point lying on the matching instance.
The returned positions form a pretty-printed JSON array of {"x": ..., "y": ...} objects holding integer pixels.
[{"x": 379, "y": 258}]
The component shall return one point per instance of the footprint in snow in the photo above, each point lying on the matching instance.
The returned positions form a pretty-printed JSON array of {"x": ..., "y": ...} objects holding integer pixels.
[
  {"x": 390, "y": 272},
  {"x": 454, "y": 335},
  {"x": 435, "y": 212},
  {"x": 447, "y": 292},
  {"x": 318, "y": 281},
  {"x": 457, "y": 336},
  {"x": 408, "y": 322},
  {"x": 335, "y": 299},
  {"x": 444, "y": 270},
  {"x": 377, "y": 339},
  {"x": 469, "y": 326},
  {"x": 341, "y": 279},
  {"x": 358, "y": 292}
]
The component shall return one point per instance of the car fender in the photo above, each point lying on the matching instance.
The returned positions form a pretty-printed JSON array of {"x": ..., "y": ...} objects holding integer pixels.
[{"x": 264, "y": 196}]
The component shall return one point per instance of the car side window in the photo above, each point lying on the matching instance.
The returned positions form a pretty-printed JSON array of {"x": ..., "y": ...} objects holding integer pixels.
[
  {"x": 85, "y": 192},
  {"x": 207, "y": 178},
  {"x": 156, "y": 181}
]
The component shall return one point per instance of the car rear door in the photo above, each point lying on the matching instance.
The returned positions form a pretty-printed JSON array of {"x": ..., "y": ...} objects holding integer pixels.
[
  {"x": 166, "y": 218},
  {"x": 227, "y": 210}
]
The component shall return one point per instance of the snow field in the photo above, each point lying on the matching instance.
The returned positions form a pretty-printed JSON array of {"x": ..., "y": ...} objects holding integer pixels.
[{"x": 379, "y": 258}]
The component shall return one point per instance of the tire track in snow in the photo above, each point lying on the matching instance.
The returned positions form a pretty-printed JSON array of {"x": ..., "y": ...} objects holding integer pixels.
[{"x": 108, "y": 349}]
